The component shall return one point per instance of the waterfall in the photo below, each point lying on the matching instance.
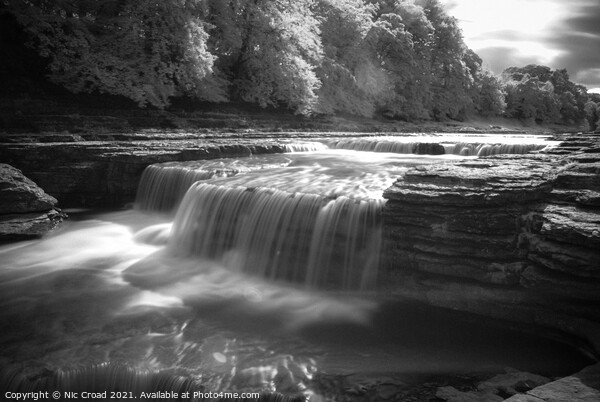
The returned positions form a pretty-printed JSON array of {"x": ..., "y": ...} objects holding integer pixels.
[
  {"x": 402, "y": 146},
  {"x": 373, "y": 145},
  {"x": 305, "y": 147},
  {"x": 486, "y": 149},
  {"x": 307, "y": 218},
  {"x": 303, "y": 238},
  {"x": 163, "y": 185}
]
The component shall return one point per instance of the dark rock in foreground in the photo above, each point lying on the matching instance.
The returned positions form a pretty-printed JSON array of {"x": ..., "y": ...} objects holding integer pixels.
[
  {"x": 581, "y": 387},
  {"x": 526, "y": 387},
  {"x": 26, "y": 211},
  {"x": 512, "y": 382}
]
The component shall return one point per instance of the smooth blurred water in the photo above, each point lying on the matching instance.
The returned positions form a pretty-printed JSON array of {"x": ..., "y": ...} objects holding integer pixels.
[
  {"x": 107, "y": 288},
  {"x": 450, "y": 144}
]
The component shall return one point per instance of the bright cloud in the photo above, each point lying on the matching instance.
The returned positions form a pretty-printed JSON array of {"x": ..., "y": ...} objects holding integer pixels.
[
  {"x": 528, "y": 18},
  {"x": 555, "y": 33}
]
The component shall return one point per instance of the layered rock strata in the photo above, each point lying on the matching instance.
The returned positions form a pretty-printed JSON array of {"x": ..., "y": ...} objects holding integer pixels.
[
  {"x": 105, "y": 174},
  {"x": 511, "y": 237},
  {"x": 26, "y": 211}
]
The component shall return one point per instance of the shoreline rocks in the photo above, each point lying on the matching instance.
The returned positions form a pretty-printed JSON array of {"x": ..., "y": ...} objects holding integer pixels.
[{"x": 26, "y": 211}]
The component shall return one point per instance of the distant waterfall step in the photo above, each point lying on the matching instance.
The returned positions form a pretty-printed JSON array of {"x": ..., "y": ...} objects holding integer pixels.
[
  {"x": 440, "y": 146},
  {"x": 478, "y": 149},
  {"x": 309, "y": 239},
  {"x": 304, "y": 147}
]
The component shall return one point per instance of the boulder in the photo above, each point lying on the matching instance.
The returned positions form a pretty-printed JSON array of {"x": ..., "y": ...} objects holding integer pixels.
[
  {"x": 426, "y": 148},
  {"x": 18, "y": 194},
  {"x": 26, "y": 211}
]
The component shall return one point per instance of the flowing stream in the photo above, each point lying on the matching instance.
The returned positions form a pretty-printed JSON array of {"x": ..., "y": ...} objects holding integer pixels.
[{"x": 243, "y": 274}]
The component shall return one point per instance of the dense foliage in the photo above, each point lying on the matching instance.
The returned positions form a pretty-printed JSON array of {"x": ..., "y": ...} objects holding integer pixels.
[
  {"x": 403, "y": 59},
  {"x": 545, "y": 95},
  {"x": 145, "y": 50},
  {"x": 592, "y": 112}
]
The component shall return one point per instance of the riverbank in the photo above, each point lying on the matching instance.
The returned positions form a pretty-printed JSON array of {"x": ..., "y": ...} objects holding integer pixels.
[{"x": 79, "y": 118}]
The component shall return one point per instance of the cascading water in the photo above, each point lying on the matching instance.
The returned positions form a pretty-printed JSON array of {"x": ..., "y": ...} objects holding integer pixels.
[
  {"x": 161, "y": 188},
  {"x": 479, "y": 149},
  {"x": 374, "y": 145},
  {"x": 304, "y": 147},
  {"x": 463, "y": 145},
  {"x": 291, "y": 217},
  {"x": 254, "y": 284},
  {"x": 303, "y": 238},
  {"x": 311, "y": 220},
  {"x": 163, "y": 185}
]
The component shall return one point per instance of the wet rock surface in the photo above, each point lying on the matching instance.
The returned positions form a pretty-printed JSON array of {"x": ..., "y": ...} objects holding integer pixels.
[
  {"x": 493, "y": 389},
  {"x": 26, "y": 211},
  {"x": 460, "y": 219},
  {"x": 580, "y": 387},
  {"x": 19, "y": 194},
  {"x": 515, "y": 386},
  {"x": 513, "y": 237}
]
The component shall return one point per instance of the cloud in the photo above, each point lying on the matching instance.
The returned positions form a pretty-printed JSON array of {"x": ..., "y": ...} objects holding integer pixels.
[
  {"x": 505, "y": 34},
  {"x": 589, "y": 77},
  {"x": 579, "y": 38},
  {"x": 499, "y": 58},
  {"x": 587, "y": 20},
  {"x": 451, "y": 5},
  {"x": 556, "y": 33}
]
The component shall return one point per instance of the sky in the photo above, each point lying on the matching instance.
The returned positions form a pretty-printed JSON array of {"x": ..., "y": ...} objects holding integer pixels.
[{"x": 555, "y": 33}]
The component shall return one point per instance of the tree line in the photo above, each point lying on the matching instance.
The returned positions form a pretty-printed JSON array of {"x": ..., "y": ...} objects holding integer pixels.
[{"x": 402, "y": 59}]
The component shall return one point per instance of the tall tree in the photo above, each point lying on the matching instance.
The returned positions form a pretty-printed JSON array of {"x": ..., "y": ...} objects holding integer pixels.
[
  {"x": 564, "y": 100},
  {"x": 271, "y": 49},
  {"x": 452, "y": 79},
  {"x": 530, "y": 98},
  {"x": 345, "y": 25},
  {"x": 488, "y": 96},
  {"x": 145, "y": 50},
  {"x": 592, "y": 114},
  {"x": 393, "y": 47}
]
